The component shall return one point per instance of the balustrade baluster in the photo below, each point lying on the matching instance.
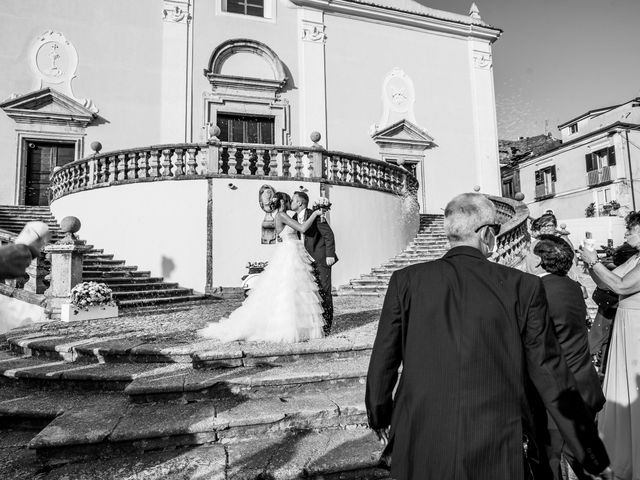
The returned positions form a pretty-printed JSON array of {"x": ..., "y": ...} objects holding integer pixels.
[
  {"x": 179, "y": 163},
  {"x": 167, "y": 153},
  {"x": 104, "y": 170},
  {"x": 113, "y": 168},
  {"x": 143, "y": 164},
  {"x": 334, "y": 172},
  {"x": 225, "y": 159},
  {"x": 260, "y": 164},
  {"x": 253, "y": 162},
  {"x": 365, "y": 173},
  {"x": 122, "y": 166},
  {"x": 246, "y": 161},
  {"x": 232, "y": 160},
  {"x": 154, "y": 163},
  {"x": 286, "y": 164},
  {"x": 345, "y": 169},
  {"x": 298, "y": 165},
  {"x": 387, "y": 178},
  {"x": 308, "y": 161},
  {"x": 132, "y": 164},
  {"x": 192, "y": 163},
  {"x": 273, "y": 163}
]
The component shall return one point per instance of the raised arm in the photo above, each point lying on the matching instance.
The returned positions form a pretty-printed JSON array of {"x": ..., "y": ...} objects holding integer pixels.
[
  {"x": 300, "y": 227},
  {"x": 626, "y": 285}
]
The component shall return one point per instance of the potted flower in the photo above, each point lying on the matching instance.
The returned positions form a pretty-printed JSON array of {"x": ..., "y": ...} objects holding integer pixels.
[{"x": 89, "y": 301}]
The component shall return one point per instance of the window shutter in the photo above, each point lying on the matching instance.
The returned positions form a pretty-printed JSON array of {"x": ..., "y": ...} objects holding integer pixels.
[
  {"x": 539, "y": 177},
  {"x": 553, "y": 173},
  {"x": 612, "y": 156},
  {"x": 588, "y": 157}
]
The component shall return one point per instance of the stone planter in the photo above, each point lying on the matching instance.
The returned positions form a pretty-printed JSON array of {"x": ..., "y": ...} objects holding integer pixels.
[{"x": 69, "y": 313}]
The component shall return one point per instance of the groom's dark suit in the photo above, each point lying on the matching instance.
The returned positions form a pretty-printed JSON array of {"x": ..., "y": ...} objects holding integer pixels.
[
  {"x": 320, "y": 243},
  {"x": 470, "y": 334}
]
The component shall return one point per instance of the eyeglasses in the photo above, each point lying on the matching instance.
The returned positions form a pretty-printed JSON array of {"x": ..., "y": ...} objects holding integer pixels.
[{"x": 493, "y": 226}]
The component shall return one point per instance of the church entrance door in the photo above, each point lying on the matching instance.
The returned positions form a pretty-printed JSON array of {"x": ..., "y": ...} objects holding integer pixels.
[{"x": 42, "y": 158}]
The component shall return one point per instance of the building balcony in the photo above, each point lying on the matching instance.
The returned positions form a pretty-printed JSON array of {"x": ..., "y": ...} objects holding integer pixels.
[
  {"x": 601, "y": 176},
  {"x": 545, "y": 191}
]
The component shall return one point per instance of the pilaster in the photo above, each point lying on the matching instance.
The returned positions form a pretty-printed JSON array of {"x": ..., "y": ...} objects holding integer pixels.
[
  {"x": 312, "y": 86},
  {"x": 175, "y": 121},
  {"x": 484, "y": 116}
]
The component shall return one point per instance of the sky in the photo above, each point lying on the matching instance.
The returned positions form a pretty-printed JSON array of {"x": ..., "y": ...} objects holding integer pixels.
[{"x": 558, "y": 59}]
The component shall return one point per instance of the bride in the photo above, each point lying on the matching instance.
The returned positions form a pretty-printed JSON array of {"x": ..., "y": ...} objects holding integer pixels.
[{"x": 284, "y": 305}]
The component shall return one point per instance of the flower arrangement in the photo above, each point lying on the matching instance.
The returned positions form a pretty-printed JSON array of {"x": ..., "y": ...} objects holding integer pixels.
[
  {"x": 324, "y": 204},
  {"x": 255, "y": 267},
  {"x": 88, "y": 294},
  {"x": 590, "y": 211}
]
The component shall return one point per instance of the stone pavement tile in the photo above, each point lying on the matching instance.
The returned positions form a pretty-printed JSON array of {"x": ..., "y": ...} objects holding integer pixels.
[
  {"x": 347, "y": 449},
  {"x": 109, "y": 372},
  {"x": 199, "y": 463},
  {"x": 262, "y": 412},
  {"x": 15, "y": 438},
  {"x": 25, "y": 367},
  {"x": 165, "y": 419},
  {"x": 349, "y": 401},
  {"x": 247, "y": 460},
  {"x": 82, "y": 426},
  {"x": 151, "y": 385},
  {"x": 18, "y": 463}
]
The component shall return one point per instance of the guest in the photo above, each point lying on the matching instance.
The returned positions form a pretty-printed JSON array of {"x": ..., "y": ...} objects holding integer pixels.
[
  {"x": 14, "y": 260},
  {"x": 619, "y": 422},
  {"x": 567, "y": 311},
  {"x": 607, "y": 301},
  {"x": 470, "y": 335}
]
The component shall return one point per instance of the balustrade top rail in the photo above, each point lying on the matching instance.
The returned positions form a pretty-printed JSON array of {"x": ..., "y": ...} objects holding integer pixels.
[
  {"x": 163, "y": 162},
  {"x": 513, "y": 240}
]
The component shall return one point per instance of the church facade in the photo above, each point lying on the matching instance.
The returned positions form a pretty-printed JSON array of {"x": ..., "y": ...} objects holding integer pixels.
[{"x": 391, "y": 80}]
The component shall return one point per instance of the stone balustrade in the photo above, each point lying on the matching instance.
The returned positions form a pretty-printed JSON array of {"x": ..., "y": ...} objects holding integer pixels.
[
  {"x": 514, "y": 239},
  {"x": 189, "y": 160}
]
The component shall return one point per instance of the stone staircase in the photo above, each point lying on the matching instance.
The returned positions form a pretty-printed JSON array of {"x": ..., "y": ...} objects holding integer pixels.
[
  {"x": 430, "y": 244},
  {"x": 132, "y": 288},
  {"x": 248, "y": 410}
]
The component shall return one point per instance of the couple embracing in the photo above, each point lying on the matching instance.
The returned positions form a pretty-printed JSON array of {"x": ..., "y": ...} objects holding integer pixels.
[{"x": 287, "y": 304}]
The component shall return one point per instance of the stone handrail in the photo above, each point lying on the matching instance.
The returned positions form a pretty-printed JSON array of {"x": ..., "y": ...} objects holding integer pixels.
[
  {"x": 514, "y": 239},
  {"x": 188, "y": 160}
]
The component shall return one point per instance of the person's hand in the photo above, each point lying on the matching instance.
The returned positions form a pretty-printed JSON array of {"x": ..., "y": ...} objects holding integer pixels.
[
  {"x": 383, "y": 435},
  {"x": 588, "y": 256},
  {"x": 14, "y": 260},
  {"x": 330, "y": 261}
]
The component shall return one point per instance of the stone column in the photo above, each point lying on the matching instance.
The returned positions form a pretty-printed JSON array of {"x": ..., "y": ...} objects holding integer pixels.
[
  {"x": 176, "y": 105},
  {"x": 66, "y": 265},
  {"x": 312, "y": 85},
  {"x": 487, "y": 163}
]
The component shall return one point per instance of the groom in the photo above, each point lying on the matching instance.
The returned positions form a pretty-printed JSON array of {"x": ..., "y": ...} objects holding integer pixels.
[{"x": 320, "y": 243}]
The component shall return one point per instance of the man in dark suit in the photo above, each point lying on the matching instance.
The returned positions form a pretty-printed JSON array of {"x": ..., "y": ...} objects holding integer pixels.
[
  {"x": 471, "y": 336},
  {"x": 568, "y": 311},
  {"x": 320, "y": 242}
]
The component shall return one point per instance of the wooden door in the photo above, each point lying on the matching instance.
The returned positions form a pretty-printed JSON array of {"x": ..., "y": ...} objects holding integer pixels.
[{"x": 42, "y": 158}]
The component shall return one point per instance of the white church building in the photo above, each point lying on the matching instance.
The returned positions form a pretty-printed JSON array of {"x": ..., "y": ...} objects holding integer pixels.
[{"x": 150, "y": 83}]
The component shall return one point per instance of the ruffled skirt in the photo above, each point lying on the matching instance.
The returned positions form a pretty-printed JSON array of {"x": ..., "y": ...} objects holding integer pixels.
[{"x": 283, "y": 306}]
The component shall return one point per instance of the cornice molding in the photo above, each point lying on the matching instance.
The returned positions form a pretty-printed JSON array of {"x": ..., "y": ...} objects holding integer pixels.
[{"x": 408, "y": 19}]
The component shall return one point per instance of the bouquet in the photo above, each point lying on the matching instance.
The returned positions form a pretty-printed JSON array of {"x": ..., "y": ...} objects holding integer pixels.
[
  {"x": 324, "y": 204},
  {"x": 87, "y": 294}
]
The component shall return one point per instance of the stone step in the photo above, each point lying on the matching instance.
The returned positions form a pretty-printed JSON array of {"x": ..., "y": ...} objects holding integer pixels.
[
  {"x": 120, "y": 279},
  {"x": 339, "y": 453},
  {"x": 110, "y": 429},
  {"x": 151, "y": 293},
  {"x": 141, "y": 302},
  {"x": 100, "y": 261},
  {"x": 116, "y": 273},
  {"x": 140, "y": 286},
  {"x": 57, "y": 374},
  {"x": 98, "y": 256},
  {"x": 108, "y": 269},
  {"x": 258, "y": 381}
]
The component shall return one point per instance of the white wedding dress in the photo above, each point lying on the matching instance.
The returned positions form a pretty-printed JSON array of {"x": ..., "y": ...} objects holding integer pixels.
[{"x": 283, "y": 306}]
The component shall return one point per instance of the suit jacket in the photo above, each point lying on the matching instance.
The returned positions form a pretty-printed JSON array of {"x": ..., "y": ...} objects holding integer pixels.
[
  {"x": 318, "y": 240},
  {"x": 469, "y": 333},
  {"x": 568, "y": 312}
]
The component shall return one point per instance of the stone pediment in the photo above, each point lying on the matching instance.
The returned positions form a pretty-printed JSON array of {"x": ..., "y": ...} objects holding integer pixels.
[
  {"x": 403, "y": 133},
  {"x": 47, "y": 106}
]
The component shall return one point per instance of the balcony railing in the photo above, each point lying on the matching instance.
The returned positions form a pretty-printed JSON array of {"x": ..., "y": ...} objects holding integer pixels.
[
  {"x": 603, "y": 175},
  {"x": 545, "y": 190},
  {"x": 165, "y": 162},
  {"x": 514, "y": 239}
]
